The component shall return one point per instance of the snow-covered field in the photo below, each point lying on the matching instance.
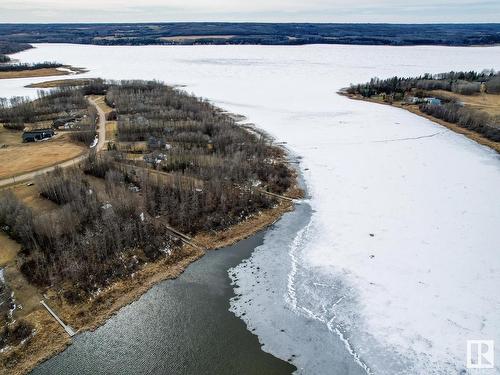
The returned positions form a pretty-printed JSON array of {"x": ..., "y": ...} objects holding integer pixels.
[{"x": 399, "y": 263}]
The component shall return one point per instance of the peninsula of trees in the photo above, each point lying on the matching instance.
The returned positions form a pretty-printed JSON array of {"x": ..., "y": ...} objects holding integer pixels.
[
  {"x": 35, "y": 66},
  {"x": 467, "y": 100},
  {"x": 176, "y": 172}
]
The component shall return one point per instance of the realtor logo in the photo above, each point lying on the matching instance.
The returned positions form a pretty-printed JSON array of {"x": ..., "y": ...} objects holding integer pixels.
[{"x": 480, "y": 354}]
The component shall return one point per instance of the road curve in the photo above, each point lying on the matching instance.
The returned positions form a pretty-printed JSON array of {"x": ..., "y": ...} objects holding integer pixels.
[{"x": 101, "y": 131}]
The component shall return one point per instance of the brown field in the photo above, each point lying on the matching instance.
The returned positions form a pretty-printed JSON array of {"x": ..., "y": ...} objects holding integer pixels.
[
  {"x": 9, "y": 249},
  {"x": 30, "y": 196},
  {"x": 33, "y": 73},
  {"x": 133, "y": 147},
  {"x": 26, "y": 294},
  {"x": 59, "y": 83},
  {"x": 17, "y": 158},
  {"x": 180, "y": 38},
  {"x": 111, "y": 130},
  {"x": 489, "y": 103}
]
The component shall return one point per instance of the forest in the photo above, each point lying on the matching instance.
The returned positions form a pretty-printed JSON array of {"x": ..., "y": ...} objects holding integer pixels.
[
  {"x": 7, "y": 48},
  {"x": 253, "y": 33},
  {"x": 450, "y": 109},
  {"x": 465, "y": 83},
  {"x": 200, "y": 173},
  {"x": 20, "y": 67},
  {"x": 60, "y": 106}
]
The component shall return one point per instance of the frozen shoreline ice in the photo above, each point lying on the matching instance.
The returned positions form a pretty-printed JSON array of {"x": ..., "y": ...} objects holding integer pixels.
[{"x": 425, "y": 283}]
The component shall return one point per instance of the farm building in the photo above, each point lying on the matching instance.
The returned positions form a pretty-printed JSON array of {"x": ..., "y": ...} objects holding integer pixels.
[{"x": 37, "y": 135}]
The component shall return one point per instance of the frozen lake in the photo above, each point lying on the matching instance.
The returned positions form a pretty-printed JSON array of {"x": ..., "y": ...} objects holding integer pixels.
[{"x": 399, "y": 263}]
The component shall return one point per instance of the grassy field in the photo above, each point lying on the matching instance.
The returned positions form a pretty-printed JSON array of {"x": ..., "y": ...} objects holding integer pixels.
[
  {"x": 485, "y": 102},
  {"x": 111, "y": 130},
  {"x": 59, "y": 83},
  {"x": 18, "y": 158}
]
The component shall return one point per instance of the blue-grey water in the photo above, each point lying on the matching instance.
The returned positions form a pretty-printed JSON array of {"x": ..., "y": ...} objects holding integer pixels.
[{"x": 180, "y": 326}]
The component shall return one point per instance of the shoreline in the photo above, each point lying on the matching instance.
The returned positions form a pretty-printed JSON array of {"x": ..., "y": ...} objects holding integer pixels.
[
  {"x": 65, "y": 70},
  {"x": 472, "y": 135},
  {"x": 50, "y": 339}
]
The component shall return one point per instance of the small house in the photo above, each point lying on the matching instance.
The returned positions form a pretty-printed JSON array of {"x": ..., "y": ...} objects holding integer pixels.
[
  {"x": 433, "y": 101},
  {"x": 37, "y": 135},
  {"x": 412, "y": 100}
]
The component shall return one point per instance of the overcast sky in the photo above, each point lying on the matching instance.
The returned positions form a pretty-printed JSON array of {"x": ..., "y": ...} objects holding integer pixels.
[{"x": 404, "y": 11}]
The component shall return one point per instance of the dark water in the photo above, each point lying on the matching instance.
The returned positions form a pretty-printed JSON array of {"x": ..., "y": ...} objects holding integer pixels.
[{"x": 180, "y": 326}]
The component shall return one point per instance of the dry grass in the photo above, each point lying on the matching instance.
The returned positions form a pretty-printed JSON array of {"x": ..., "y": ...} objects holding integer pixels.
[
  {"x": 31, "y": 197},
  {"x": 111, "y": 130},
  {"x": 9, "y": 250},
  {"x": 49, "y": 339},
  {"x": 60, "y": 83},
  {"x": 9, "y": 137},
  {"x": 27, "y": 296},
  {"x": 18, "y": 158},
  {"x": 45, "y": 72},
  {"x": 133, "y": 147},
  {"x": 489, "y": 103}
]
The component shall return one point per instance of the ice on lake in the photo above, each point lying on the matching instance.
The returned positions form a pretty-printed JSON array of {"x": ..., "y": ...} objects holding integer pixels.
[{"x": 394, "y": 260}]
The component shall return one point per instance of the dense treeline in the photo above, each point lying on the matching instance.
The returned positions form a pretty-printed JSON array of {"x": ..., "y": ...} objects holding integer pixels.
[
  {"x": 467, "y": 118},
  {"x": 185, "y": 203},
  {"x": 17, "y": 112},
  {"x": 8, "y": 47},
  {"x": 4, "y": 58},
  {"x": 196, "y": 138},
  {"x": 493, "y": 85},
  {"x": 200, "y": 173},
  {"x": 464, "y": 83},
  {"x": 85, "y": 241},
  {"x": 254, "y": 33},
  {"x": 34, "y": 66}
]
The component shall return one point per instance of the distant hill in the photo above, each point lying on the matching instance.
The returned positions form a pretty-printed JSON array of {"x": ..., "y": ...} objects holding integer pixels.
[{"x": 188, "y": 33}]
